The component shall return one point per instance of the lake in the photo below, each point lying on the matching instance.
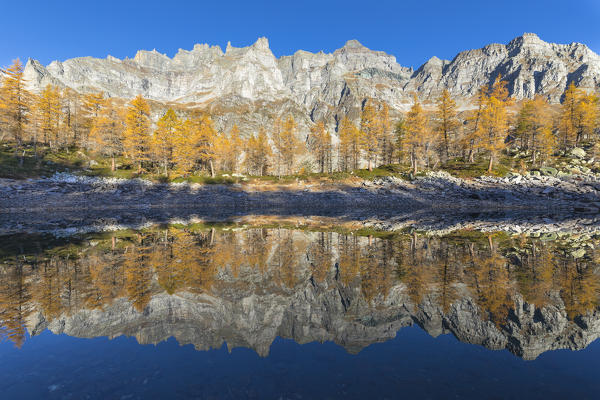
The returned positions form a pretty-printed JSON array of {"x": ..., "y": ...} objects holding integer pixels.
[{"x": 242, "y": 311}]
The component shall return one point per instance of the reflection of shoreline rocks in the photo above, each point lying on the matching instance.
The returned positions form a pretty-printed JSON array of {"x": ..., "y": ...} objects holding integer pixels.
[
  {"x": 67, "y": 204},
  {"x": 248, "y": 286}
]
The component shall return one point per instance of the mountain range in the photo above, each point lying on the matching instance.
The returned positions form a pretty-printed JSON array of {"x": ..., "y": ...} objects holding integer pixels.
[{"x": 250, "y": 86}]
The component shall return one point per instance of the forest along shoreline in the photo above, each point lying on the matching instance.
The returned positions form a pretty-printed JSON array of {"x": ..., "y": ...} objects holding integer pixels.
[{"x": 67, "y": 202}]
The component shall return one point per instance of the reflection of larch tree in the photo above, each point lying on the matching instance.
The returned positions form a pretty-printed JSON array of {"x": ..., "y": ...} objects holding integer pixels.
[
  {"x": 375, "y": 272},
  {"x": 285, "y": 258},
  {"x": 138, "y": 273},
  {"x": 492, "y": 284},
  {"x": 48, "y": 289},
  {"x": 14, "y": 299},
  {"x": 536, "y": 271},
  {"x": 320, "y": 255},
  {"x": 579, "y": 285},
  {"x": 350, "y": 258}
]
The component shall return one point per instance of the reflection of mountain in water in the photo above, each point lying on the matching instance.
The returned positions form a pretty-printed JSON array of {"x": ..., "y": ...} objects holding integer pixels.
[{"x": 246, "y": 287}]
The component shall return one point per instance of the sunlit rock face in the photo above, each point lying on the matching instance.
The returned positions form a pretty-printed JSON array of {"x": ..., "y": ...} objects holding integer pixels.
[
  {"x": 320, "y": 86},
  {"x": 199, "y": 75},
  {"x": 208, "y": 287}
]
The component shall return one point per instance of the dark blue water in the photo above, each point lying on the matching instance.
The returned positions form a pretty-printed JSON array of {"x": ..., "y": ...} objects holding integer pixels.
[{"x": 412, "y": 365}]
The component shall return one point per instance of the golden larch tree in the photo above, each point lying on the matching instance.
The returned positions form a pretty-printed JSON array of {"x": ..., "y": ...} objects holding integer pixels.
[
  {"x": 534, "y": 128},
  {"x": 106, "y": 135},
  {"x": 579, "y": 116},
  {"x": 221, "y": 150},
  {"x": 399, "y": 139},
  {"x": 494, "y": 124},
  {"x": 370, "y": 132},
  {"x": 72, "y": 116},
  {"x": 137, "y": 132},
  {"x": 236, "y": 149},
  {"x": 446, "y": 121},
  {"x": 15, "y": 103},
  {"x": 349, "y": 145},
  {"x": 185, "y": 147},
  {"x": 162, "y": 142},
  {"x": 290, "y": 145},
  {"x": 416, "y": 132},
  {"x": 258, "y": 154},
  {"x": 320, "y": 145},
  {"x": 206, "y": 135},
  {"x": 90, "y": 109},
  {"x": 278, "y": 144},
  {"x": 227, "y": 150},
  {"x": 569, "y": 115},
  {"x": 471, "y": 140},
  {"x": 48, "y": 112},
  {"x": 588, "y": 117},
  {"x": 384, "y": 132}
]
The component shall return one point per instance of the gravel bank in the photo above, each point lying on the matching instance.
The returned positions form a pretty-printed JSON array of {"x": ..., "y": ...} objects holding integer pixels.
[{"x": 69, "y": 203}]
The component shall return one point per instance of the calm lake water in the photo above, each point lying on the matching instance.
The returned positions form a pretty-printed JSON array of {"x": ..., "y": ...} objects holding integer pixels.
[{"x": 237, "y": 312}]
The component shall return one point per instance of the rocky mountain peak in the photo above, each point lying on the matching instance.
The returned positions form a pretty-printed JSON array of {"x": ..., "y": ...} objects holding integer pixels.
[
  {"x": 113, "y": 59},
  {"x": 262, "y": 43},
  {"x": 435, "y": 62},
  {"x": 188, "y": 60},
  {"x": 527, "y": 42},
  {"x": 527, "y": 39},
  {"x": 152, "y": 59},
  {"x": 318, "y": 85},
  {"x": 354, "y": 44}
]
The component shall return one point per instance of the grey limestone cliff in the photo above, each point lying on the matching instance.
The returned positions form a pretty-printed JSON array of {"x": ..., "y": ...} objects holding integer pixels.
[{"x": 320, "y": 86}]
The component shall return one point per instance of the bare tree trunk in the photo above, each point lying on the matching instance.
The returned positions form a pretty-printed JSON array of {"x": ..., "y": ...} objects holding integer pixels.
[
  {"x": 35, "y": 152},
  {"x": 447, "y": 145},
  {"x": 491, "y": 164},
  {"x": 212, "y": 170},
  {"x": 471, "y": 153},
  {"x": 413, "y": 160},
  {"x": 113, "y": 166},
  {"x": 278, "y": 165}
]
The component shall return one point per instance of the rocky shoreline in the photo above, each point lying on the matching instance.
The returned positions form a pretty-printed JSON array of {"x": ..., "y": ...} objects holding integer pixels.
[{"x": 522, "y": 203}]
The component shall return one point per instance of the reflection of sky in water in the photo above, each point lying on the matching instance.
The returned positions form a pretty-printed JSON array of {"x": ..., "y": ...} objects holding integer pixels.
[{"x": 411, "y": 365}]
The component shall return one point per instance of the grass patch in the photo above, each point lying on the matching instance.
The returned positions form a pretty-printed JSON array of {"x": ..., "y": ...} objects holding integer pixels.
[
  {"x": 206, "y": 180},
  {"x": 382, "y": 171},
  {"x": 461, "y": 169},
  {"x": 25, "y": 164}
]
